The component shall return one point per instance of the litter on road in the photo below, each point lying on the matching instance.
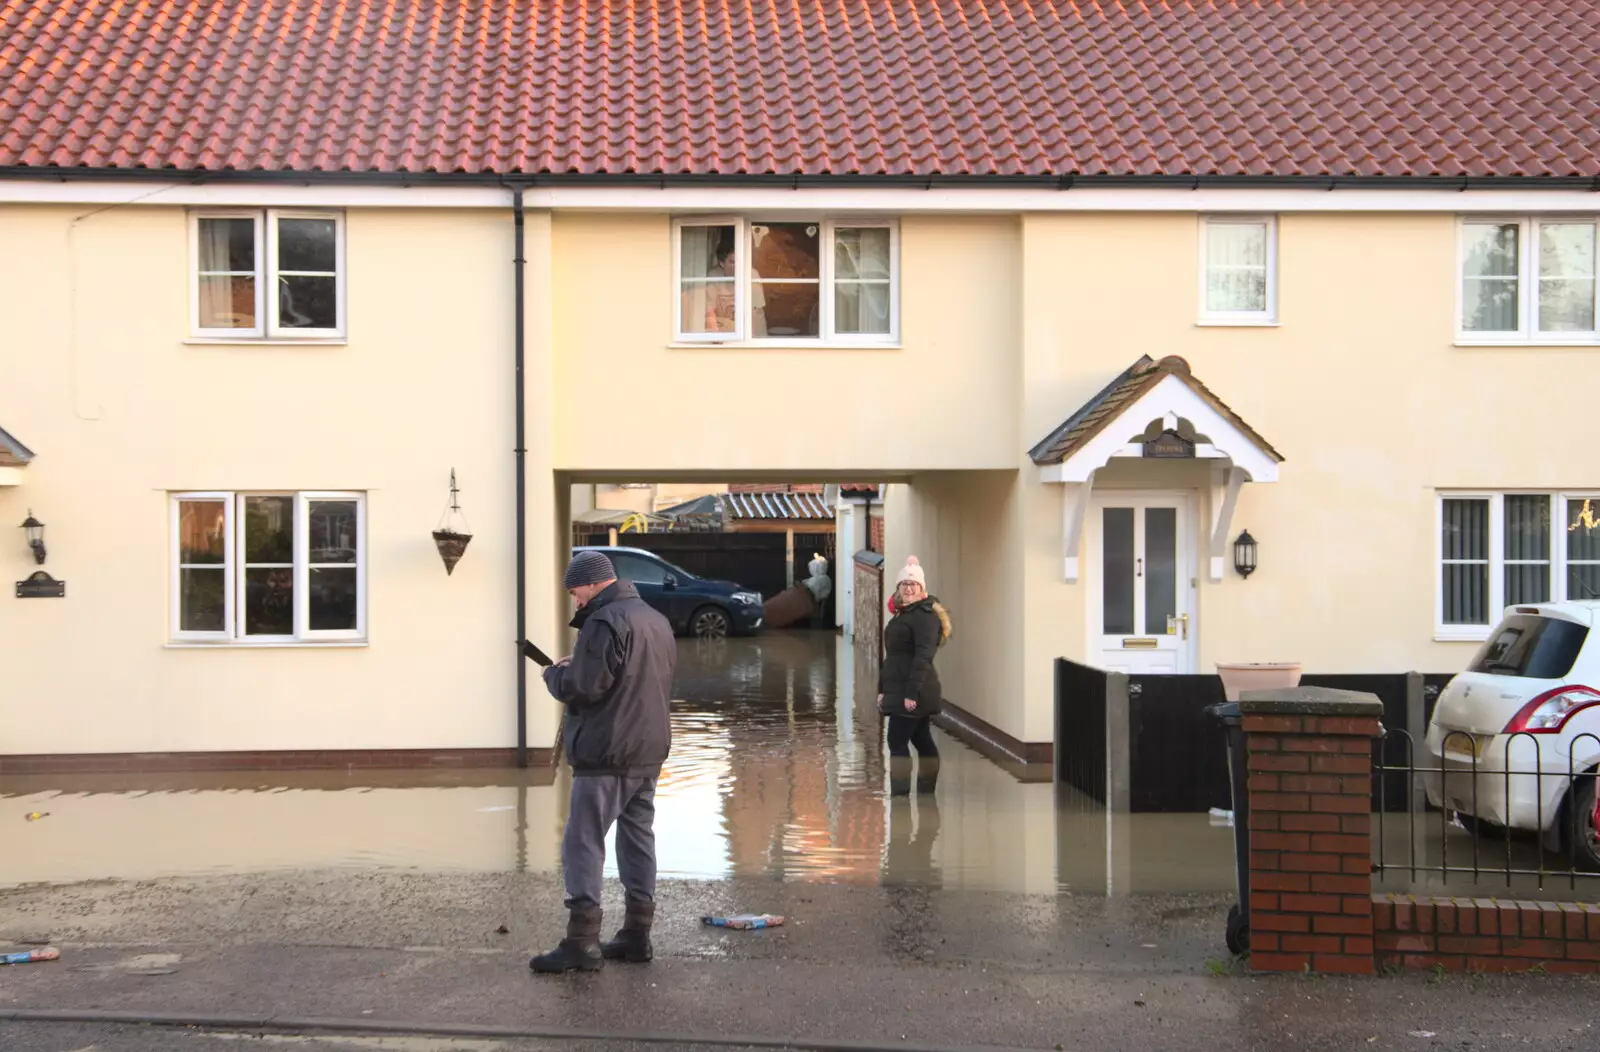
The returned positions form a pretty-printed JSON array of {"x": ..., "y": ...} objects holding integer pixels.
[
  {"x": 744, "y": 921},
  {"x": 48, "y": 953}
]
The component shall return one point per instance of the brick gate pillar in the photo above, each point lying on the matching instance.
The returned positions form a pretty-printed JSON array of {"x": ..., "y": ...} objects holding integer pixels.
[{"x": 1310, "y": 800}]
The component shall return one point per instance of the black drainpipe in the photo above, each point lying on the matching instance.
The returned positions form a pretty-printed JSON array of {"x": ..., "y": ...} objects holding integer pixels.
[{"x": 519, "y": 263}]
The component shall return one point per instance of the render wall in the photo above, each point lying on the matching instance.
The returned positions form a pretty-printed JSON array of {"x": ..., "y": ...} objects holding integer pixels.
[{"x": 121, "y": 409}]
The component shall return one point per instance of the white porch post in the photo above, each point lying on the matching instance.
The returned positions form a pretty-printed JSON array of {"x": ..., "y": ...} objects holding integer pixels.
[
  {"x": 1074, "y": 506},
  {"x": 1225, "y": 485}
]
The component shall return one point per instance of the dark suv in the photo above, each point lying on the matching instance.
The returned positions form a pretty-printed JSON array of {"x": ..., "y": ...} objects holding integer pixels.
[{"x": 694, "y": 605}]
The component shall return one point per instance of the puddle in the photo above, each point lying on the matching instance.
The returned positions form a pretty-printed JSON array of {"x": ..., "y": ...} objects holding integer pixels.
[{"x": 777, "y": 772}]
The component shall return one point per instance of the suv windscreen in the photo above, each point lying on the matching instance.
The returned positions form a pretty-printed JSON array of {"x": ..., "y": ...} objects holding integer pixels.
[
  {"x": 1532, "y": 647},
  {"x": 638, "y": 570}
]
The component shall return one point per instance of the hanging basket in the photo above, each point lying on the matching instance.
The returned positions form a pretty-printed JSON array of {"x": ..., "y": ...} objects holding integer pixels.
[{"x": 452, "y": 546}]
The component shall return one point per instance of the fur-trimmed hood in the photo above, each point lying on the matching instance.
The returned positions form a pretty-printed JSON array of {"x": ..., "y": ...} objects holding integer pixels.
[{"x": 946, "y": 627}]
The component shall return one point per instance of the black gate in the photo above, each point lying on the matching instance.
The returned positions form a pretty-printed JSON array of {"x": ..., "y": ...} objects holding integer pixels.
[
  {"x": 1081, "y": 727},
  {"x": 752, "y": 560},
  {"x": 1176, "y": 757}
]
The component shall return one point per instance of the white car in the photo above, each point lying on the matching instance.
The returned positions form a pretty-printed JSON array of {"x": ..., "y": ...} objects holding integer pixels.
[{"x": 1529, "y": 702}]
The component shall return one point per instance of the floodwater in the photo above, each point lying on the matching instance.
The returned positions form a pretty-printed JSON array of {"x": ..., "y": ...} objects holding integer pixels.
[{"x": 777, "y": 772}]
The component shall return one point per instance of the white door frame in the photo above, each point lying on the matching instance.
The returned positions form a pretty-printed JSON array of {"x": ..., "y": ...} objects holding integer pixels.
[{"x": 1188, "y": 541}]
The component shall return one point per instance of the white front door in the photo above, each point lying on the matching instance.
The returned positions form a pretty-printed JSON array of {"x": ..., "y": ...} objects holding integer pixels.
[{"x": 1141, "y": 583}]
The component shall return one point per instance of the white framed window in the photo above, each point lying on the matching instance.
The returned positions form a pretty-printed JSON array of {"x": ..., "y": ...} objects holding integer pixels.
[
  {"x": 1498, "y": 550},
  {"x": 1528, "y": 280},
  {"x": 1238, "y": 270},
  {"x": 269, "y": 567},
  {"x": 269, "y": 274},
  {"x": 782, "y": 281}
]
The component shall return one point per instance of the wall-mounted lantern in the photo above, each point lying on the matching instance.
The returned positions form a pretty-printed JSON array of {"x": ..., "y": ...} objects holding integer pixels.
[
  {"x": 35, "y": 532},
  {"x": 1244, "y": 554},
  {"x": 451, "y": 542}
]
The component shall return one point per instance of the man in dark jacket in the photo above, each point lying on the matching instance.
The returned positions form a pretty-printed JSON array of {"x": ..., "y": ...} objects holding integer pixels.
[{"x": 616, "y": 686}]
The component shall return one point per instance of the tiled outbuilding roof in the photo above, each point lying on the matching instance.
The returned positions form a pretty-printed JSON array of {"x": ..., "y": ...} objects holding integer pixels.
[
  {"x": 777, "y": 506},
  {"x": 1481, "y": 88}
]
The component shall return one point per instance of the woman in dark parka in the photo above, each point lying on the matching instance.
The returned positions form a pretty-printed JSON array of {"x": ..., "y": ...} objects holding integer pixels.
[{"x": 909, "y": 692}]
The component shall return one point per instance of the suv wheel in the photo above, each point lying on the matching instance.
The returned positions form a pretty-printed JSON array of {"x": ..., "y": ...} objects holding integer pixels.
[{"x": 709, "y": 622}]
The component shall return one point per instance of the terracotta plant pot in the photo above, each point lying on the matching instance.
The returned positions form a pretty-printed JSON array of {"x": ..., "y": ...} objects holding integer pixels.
[{"x": 1257, "y": 675}]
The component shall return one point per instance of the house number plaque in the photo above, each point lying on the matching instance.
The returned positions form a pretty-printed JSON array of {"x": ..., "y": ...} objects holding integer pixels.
[
  {"x": 41, "y": 585},
  {"x": 1169, "y": 445}
]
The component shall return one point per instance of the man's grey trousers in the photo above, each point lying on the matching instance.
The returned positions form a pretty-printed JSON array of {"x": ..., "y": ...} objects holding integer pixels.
[{"x": 599, "y": 800}]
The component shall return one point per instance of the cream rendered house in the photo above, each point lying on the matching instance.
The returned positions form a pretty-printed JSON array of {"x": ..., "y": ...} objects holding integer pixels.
[{"x": 244, "y": 348}]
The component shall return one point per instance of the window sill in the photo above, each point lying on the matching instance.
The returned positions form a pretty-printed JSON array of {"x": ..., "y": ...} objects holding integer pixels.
[
  {"x": 783, "y": 345},
  {"x": 224, "y": 341},
  {"x": 1514, "y": 344},
  {"x": 196, "y": 644},
  {"x": 1237, "y": 323},
  {"x": 1461, "y": 636}
]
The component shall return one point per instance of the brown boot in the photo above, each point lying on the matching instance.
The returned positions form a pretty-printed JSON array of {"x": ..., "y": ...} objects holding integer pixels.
[
  {"x": 632, "y": 942},
  {"x": 579, "y": 951}
]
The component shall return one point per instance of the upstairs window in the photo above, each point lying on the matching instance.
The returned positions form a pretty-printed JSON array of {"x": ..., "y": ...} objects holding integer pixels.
[
  {"x": 784, "y": 282},
  {"x": 1238, "y": 270},
  {"x": 1529, "y": 280},
  {"x": 274, "y": 275}
]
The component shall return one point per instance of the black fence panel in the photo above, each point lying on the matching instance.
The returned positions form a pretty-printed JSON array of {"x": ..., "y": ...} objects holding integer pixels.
[
  {"x": 1177, "y": 751},
  {"x": 1081, "y": 727},
  {"x": 752, "y": 560}
]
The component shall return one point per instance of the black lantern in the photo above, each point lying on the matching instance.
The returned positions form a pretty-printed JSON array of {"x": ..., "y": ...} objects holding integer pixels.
[
  {"x": 1244, "y": 554},
  {"x": 35, "y": 530}
]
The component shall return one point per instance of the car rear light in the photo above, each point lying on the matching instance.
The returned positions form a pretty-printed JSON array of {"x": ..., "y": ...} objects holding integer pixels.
[{"x": 1550, "y": 711}]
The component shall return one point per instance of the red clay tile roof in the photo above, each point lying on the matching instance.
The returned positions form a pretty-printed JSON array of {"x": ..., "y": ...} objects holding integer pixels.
[{"x": 924, "y": 87}]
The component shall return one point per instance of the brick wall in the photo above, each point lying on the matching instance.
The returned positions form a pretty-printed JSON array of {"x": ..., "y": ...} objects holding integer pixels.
[
  {"x": 775, "y": 487},
  {"x": 875, "y": 533},
  {"x": 869, "y": 607},
  {"x": 1311, "y": 902},
  {"x": 1310, "y": 842},
  {"x": 1486, "y": 935}
]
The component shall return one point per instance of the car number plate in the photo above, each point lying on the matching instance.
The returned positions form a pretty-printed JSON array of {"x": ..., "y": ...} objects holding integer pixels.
[{"x": 1465, "y": 744}]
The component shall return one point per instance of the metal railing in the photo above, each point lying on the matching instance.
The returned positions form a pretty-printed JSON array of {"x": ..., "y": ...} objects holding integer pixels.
[{"x": 1571, "y": 827}]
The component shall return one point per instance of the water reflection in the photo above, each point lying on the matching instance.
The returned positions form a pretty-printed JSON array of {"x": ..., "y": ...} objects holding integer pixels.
[{"x": 777, "y": 771}]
